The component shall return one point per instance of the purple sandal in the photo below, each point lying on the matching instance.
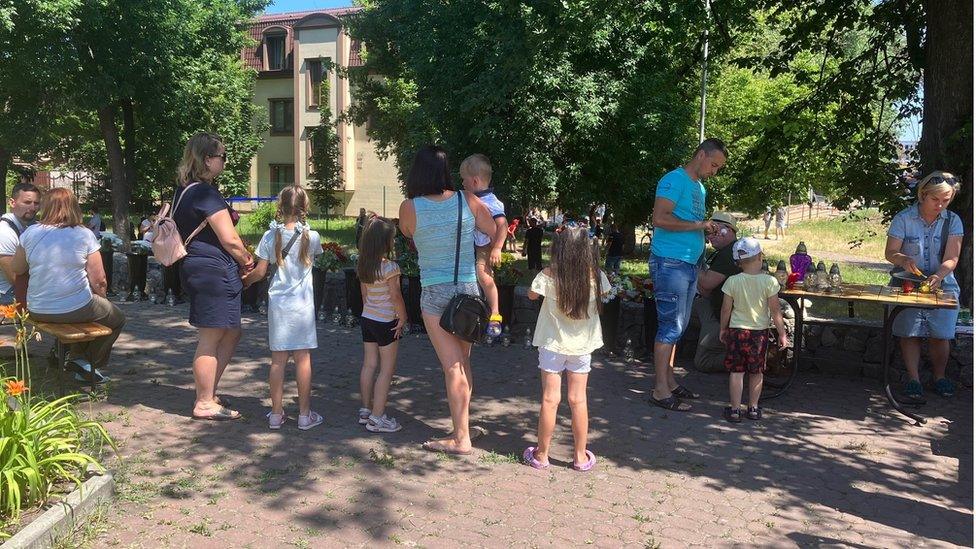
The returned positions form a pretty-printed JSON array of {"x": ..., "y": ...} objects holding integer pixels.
[
  {"x": 583, "y": 467},
  {"x": 528, "y": 456}
]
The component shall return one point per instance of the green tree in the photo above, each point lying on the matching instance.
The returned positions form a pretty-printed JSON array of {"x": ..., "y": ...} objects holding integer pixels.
[{"x": 32, "y": 81}]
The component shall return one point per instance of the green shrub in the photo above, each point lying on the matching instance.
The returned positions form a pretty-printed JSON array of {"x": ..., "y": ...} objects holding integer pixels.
[{"x": 42, "y": 443}]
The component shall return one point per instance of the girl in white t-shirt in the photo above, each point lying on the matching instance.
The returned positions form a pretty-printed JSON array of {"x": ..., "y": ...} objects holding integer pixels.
[
  {"x": 566, "y": 333},
  {"x": 291, "y": 317}
]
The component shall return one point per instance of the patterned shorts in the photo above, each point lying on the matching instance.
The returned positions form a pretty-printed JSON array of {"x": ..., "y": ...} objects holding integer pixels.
[{"x": 746, "y": 351}]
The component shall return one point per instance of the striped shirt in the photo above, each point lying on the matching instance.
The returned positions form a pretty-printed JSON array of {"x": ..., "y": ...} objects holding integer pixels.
[
  {"x": 436, "y": 239},
  {"x": 377, "y": 304}
]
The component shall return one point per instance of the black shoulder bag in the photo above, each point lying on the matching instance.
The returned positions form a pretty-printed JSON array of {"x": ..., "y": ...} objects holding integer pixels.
[
  {"x": 466, "y": 316},
  {"x": 273, "y": 265}
]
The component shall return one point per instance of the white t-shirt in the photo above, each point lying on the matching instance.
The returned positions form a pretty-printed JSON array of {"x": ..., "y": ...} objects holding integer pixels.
[
  {"x": 8, "y": 245},
  {"x": 496, "y": 208},
  {"x": 57, "y": 257}
]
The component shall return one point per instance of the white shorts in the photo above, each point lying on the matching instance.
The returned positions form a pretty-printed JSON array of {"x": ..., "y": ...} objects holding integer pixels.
[{"x": 550, "y": 361}]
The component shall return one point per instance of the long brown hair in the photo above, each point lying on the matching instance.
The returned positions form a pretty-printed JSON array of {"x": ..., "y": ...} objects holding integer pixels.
[
  {"x": 59, "y": 207},
  {"x": 575, "y": 266},
  {"x": 193, "y": 167},
  {"x": 293, "y": 204},
  {"x": 375, "y": 244}
]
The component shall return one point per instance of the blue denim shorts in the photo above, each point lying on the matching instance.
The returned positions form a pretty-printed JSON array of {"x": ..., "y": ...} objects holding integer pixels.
[
  {"x": 675, "y": 286},
  {"x": 434, "y": 298},
  {"x": 934, "y": 323}
]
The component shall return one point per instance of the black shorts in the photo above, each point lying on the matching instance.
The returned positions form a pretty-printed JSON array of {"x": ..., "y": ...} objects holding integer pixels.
[{"x": 380, "y": 333}]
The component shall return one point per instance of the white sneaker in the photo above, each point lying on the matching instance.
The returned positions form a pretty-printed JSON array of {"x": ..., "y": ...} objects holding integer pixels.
[
  {"x": 311, "y": 420},
  {"x": 276, "y": 420},
  {"x": 382, "y": 424},
  {"x": 364, "y": 414}
]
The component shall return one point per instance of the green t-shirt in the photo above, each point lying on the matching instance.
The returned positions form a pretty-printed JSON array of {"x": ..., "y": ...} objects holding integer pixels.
[{"x": 750, "y": 300}]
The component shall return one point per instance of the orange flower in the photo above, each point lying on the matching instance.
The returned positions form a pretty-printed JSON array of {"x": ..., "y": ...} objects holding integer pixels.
[
  {"x": 8, "y": 311},
  {"x": 15, "y": 387}
]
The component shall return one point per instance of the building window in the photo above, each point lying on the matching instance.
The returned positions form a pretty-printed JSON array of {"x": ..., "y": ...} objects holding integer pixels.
[
  {"x": 274, "y": 49},
  {"x": 318, "y": 84},
  {"x": 282, "y": 175},
  {"x": 282, "y": 116}
]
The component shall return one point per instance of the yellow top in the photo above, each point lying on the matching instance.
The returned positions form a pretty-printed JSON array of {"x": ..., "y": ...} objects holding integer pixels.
[
  {"x": 750, "y": 300},
  {"x": 556, "y": 332}
]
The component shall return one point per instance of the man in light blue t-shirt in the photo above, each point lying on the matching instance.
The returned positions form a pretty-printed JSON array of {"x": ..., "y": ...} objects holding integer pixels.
[{"x": 676, "y": 251}]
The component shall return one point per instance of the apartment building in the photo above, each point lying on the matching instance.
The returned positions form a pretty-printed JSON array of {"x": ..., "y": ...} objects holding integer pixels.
[{"x": 292, "y": 53}]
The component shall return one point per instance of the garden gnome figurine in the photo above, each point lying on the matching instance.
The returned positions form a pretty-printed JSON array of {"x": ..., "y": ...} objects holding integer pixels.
[{"x": 799, "y": 261}]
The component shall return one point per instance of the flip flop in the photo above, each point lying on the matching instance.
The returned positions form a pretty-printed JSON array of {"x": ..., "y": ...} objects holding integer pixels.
[
  {"x": 223, "y": 414},
  {"x": 583, "y": 467},
  {"x": 437, "y": 446},
  {"x": 671, "y": 403},
  {"x": 683, "y": 392},
  {"x": 528, "y": 456}
]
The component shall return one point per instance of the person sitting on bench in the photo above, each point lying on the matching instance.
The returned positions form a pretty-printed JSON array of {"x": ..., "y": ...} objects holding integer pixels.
[{"x": 67, "y": 280}]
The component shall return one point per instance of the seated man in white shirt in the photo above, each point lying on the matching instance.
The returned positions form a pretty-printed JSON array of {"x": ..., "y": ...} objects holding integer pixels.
[{"x": 24, "y": 202}]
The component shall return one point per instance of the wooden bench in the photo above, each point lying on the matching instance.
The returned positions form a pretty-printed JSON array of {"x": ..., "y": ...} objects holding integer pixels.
[{"x": 64, "y": 335}]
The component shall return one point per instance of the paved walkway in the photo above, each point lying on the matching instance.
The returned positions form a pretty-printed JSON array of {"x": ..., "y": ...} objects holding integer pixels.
[{"x": 829, "y": 465}]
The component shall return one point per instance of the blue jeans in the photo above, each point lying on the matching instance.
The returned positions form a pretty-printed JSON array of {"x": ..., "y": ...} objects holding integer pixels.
[
  {"x": 7, "y": 298},
  {"x": 675, "y": 285}
]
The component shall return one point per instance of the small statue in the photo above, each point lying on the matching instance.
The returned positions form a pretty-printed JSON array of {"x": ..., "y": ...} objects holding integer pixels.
[
  {"x": 528, "y": 339},
  {"x": 799, "y": 261},
  {"x": 506, "y": 337}
]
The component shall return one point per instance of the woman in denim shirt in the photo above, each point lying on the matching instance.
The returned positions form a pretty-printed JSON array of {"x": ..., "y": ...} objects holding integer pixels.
[{"x": 914, "y": 242}]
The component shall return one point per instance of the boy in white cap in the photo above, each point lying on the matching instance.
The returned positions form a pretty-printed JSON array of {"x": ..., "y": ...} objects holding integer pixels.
[{"x": 751, "y": 300}]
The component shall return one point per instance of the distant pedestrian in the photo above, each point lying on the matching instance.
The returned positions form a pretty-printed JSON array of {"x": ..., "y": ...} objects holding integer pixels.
[
  {"x": 567, "y": 332},
  {"x": 751, "y": 301},
  {"x": 768, "y": 220},
  {"x": 533, "y": 244},
  {"x": 781, "y": 222},
  {"x": 95, "y": 224},
  {"x": 615, "y": 249}
]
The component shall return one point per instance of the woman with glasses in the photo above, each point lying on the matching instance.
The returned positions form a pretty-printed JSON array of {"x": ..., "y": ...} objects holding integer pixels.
[
  {"x": 211, "y": 272},
  {"x": 926, "y": 238}
]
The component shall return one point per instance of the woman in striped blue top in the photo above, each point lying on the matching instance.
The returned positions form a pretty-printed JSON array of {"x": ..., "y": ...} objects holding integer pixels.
[{"x": 430, "y": 217}]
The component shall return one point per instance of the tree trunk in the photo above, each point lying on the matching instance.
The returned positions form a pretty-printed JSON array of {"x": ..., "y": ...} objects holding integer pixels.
[
  {"x": 947, "y": 113},
  {"x": 5, "y": 158},
  {"x": 129, "y": 143},
  {"x": 116, "y": 168}
]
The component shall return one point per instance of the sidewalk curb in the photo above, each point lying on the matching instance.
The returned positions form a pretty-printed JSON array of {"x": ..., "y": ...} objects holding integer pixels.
[{"x": 64, "y": 516}]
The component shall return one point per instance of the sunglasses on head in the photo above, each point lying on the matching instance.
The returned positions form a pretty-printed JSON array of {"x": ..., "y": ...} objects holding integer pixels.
[
  {"x": 936, "y": 179},
  {"x": 222, "y": 156}
]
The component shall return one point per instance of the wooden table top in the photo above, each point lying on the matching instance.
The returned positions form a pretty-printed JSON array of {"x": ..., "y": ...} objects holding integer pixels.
[{"x": 882, "y": 295}]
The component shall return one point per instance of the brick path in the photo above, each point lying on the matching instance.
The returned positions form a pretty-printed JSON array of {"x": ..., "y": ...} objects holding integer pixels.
[{"x": 829, "y": 465}]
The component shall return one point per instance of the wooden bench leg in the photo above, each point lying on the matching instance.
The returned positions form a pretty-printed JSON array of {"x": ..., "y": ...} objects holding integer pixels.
[{"x": 62, "y": 353}]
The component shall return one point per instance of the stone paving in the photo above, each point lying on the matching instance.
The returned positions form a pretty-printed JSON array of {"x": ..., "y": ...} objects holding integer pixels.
[{"x": 830, "y": 464}]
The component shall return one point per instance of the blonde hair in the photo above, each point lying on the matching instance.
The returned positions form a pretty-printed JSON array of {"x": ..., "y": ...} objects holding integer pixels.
[
  {"x": 926, "y": 188},
  {"x": 59, "y": 207},
  {"x": 193, "y": 167},
  {"x": 575, "y": 266},
  {"x": 375, "y": 244},
  {"x": 477, "y": 165},
  {"x": 293, "y": 204}
]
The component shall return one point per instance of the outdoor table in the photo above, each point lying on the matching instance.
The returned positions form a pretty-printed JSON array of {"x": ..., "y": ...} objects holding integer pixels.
[{"x": 892, "y": 300}]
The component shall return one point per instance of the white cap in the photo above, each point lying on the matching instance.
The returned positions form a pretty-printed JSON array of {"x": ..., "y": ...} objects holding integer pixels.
[{"x": 744, "y": 248}]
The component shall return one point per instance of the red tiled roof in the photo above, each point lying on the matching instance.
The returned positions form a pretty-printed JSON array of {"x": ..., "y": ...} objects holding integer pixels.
[{"x": 252, "y": 54}]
